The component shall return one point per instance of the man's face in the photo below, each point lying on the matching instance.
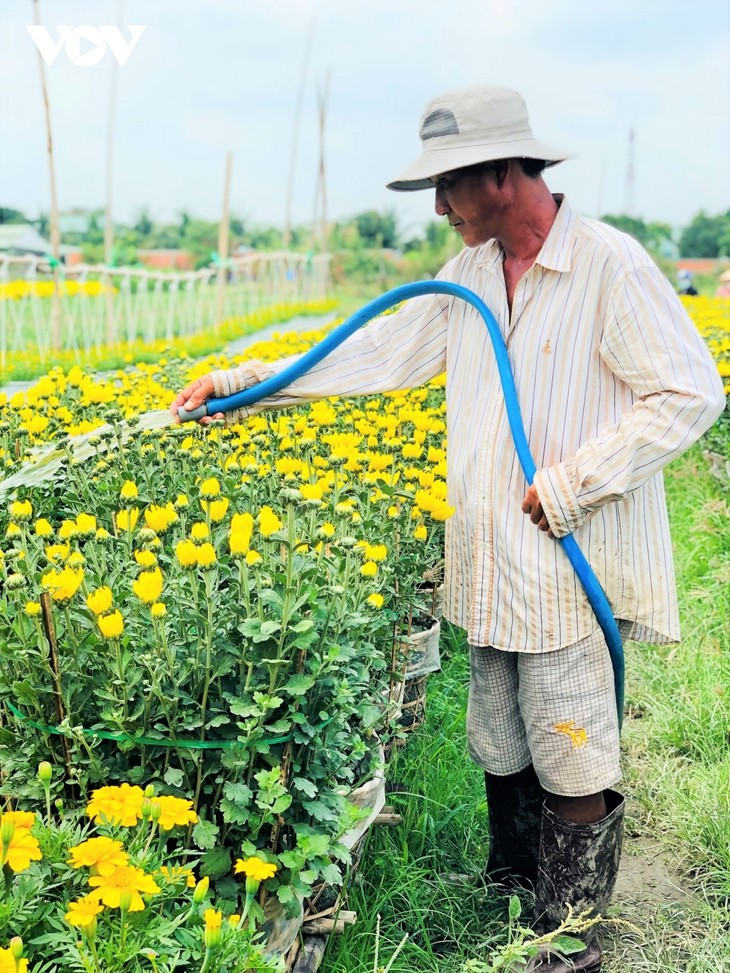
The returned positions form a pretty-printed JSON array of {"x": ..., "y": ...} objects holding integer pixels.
[{"x": 472, "y": 202}]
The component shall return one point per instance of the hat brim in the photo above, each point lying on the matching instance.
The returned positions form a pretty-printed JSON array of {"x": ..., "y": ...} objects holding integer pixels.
[{"x": 436, "y": 160}]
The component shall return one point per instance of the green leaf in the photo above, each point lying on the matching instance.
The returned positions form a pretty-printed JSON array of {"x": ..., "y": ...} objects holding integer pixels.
[
  {"x": 269, "y": 628},
  {"x": 215, "y": 863},
  {"x": 173, "y": 777},
  {"x": 285, "y": 894},
  {"x": 281, "y": 803},
  {"x": 567, "y": 944},
  {"x": 205, "y": 834},
  {"x": 303, "y": 626},
  {"x": 298, "y": 684},
  {"x": 306, "y": 786}
]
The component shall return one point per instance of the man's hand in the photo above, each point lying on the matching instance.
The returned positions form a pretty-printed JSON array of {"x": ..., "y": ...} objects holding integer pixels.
[
  {"x": 531, "y": 505},
  {"x": 195, "y": 395}
]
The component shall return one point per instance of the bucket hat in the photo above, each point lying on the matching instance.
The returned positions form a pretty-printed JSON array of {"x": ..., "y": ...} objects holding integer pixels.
[{"x": 471, "y": 125}]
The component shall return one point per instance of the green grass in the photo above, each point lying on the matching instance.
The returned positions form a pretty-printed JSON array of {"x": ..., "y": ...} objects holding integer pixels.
[{"x": 677, "y": 764}]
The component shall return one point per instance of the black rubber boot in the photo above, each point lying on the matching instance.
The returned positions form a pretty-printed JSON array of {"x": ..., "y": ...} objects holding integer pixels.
[
  {"x": 578, "y": 865},
  {"x": 515, "y": 811}
]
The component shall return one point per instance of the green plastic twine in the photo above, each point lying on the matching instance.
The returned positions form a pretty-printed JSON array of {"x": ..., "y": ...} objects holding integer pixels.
[{"x": 149, "y": 741}]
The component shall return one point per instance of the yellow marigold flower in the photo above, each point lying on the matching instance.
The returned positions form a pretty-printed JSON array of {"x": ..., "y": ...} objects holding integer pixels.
[
  {"x": 22, "y": 848},
  {"x": 187, "y": 553},
  {"x": 158, "y": 609},
  {"x": 100, "y": 600},
  {"x": 233, "y": 919},
  {"x": 216, "y": 509},
  {"x": 175, "y": 811},
  {"x": 148, "y": 586},
  {"x": 64, "y": 584},
  {"x": 145, "y": 559},
  {"x": 269, "y": 523},
  {"x": 102, "y": 855},
  {"x": 124, "y": 880},
  {"x": 253, "y": 558},
  {"x": 83, "y": 911},
  {"x": 32, "y": 608},
  {"x": 111, "y": 625},
  {"x": 159, "y": 519},
  {"x": 21, "y": 510},
  {"x": 129, "y": 490},
  {"x": 199, "y": 531},
  {"x": 213, "y": 918},
  {"x": 420, "y": 533},
  {"x": 206, "y": 555},
  {"x": 43, "y": 527},
  {"x": 20, "y": 820},
  {"x": 116, "y": 805},
  {"x": 254, "y": 868},
  {"x": 85, "y": 524},
  {"x": 375, "y": 600},
  {"x": 126, "y": 519},
  {"x": 369, "y": 569},
  {"x": 210, "y": 488}
]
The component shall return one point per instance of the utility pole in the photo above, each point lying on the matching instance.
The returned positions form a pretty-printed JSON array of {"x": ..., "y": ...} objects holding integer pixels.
[
  {"x": 295, "y": 137},
  {"x": 108, "y": 225}
]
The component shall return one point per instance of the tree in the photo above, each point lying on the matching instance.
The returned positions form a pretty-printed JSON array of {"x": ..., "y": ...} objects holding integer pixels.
[
  {"x": 650, "y": 235},
  {"x": 377, "y": 230},
  {"x": 706, "y": 236},
  {"x": 144, "y": 224},
  {"x": 8, "y": 215}
]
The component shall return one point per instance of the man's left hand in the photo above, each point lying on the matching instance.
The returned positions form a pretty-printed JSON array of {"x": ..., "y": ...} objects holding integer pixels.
[{"x": 531, "y": 505}]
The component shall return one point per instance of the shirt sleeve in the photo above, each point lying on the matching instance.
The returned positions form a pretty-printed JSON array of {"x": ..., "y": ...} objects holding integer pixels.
[
  {"x": 393, "y": 352},
  {"x": 650, "y": 342}
]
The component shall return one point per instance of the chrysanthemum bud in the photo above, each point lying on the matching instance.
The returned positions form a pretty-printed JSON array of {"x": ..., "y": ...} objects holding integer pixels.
[
  {"x": 45, "y": 772},
  {"x": 125, "y": 900},
  {"x": 201, "y": 890},
  {"x": 16, "y": 947}
]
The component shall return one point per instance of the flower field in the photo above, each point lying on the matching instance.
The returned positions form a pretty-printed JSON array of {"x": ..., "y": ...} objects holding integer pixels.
[{"x": 204, "y": 635}]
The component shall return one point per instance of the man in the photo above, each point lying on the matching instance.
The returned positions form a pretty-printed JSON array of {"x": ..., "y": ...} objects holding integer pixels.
[{"x": 613, "y": 381}]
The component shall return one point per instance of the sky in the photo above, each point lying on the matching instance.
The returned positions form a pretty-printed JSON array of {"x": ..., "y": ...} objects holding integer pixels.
[{"x": 211, "y": 76}]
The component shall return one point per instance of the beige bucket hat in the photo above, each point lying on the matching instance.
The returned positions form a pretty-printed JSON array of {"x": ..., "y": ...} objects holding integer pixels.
[{"x": 470, "y": 125}]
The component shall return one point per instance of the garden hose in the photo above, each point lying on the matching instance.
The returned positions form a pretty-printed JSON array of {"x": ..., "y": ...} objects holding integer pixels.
[{"x": 594, "y": 592}]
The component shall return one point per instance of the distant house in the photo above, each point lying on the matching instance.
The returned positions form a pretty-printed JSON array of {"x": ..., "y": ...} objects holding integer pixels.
[
  {"x": 22, "y": 239},
  {"x": 165, "y": 259},
  {"x": 698, "y": 265}
]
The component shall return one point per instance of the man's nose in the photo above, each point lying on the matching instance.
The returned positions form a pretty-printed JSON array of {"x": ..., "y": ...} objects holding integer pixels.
[{"x": 440, "y": 204}]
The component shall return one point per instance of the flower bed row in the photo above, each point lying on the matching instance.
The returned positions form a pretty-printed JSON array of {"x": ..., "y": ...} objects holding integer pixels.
[{"x": 211, "y": 613}]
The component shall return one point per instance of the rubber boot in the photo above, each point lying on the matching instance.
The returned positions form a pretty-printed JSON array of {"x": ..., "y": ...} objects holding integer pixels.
[
  {"x": 515, "y": 810},
  {"x": 578, "y": 865}
]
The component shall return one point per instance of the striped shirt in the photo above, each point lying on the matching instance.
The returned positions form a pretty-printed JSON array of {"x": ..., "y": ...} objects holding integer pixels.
[{"x": 613, "y": 380}]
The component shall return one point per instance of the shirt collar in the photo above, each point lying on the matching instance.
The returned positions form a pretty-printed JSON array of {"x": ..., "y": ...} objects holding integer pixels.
[{"x": 557, "y": 249}]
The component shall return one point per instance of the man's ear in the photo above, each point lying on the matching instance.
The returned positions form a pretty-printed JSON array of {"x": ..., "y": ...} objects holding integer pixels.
[{"x": 501, "y": 170}]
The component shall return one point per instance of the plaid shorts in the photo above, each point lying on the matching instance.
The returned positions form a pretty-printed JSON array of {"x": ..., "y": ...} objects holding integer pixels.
[{"x": 556, "y": 710}]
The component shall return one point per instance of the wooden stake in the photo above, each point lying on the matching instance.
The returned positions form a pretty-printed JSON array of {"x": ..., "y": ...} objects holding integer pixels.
[
  {"x": 108, "y": 225},
  {"x": 50, "y": 630},
  {"x": 310, "y": 958}
]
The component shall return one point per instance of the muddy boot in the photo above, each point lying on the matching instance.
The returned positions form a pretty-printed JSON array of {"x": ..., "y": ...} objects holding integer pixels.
[
  {"x": 515, "y": 810},
  {"x": 578, "y": 865}
]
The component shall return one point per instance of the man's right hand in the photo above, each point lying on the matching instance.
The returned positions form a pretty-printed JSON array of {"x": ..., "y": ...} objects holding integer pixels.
[{"x": 195, "y": 395}]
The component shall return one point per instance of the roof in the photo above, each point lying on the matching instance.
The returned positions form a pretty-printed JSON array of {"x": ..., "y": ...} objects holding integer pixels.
[{"x": 22, "y": 237}]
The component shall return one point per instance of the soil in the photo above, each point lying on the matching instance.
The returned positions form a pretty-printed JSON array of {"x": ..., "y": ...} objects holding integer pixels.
[{"x": 648, "y": 877}]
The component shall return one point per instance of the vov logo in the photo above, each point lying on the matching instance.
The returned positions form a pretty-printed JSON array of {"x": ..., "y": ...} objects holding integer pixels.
[{"x": 70, "y": 38}]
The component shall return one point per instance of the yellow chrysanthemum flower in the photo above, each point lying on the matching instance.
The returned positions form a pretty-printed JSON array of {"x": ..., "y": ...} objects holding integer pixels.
[
  {"x": 111, "y": 625},
  {"x": 129, "y": 490},
  {"x": 187, "y": 553},
  {"x": 269, "y": 523},
  {"x": 148, "y": 586},
  {"x": 100, "y": 600}
]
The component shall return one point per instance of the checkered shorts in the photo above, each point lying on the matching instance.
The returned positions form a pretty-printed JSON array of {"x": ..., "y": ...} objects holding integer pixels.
[{"x": 556, "y": 710}]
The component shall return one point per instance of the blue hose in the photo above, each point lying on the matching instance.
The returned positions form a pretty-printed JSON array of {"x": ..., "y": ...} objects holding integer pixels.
[{"x": 594, "y": 591}]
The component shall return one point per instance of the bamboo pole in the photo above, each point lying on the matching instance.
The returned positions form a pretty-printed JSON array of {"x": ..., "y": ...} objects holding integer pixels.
[
  {"x": 50, "y": 632},
  {"x": 295, "y": 137},
  {"x": 223, "y": 239},
  {"x": 55, "y": 233}
]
